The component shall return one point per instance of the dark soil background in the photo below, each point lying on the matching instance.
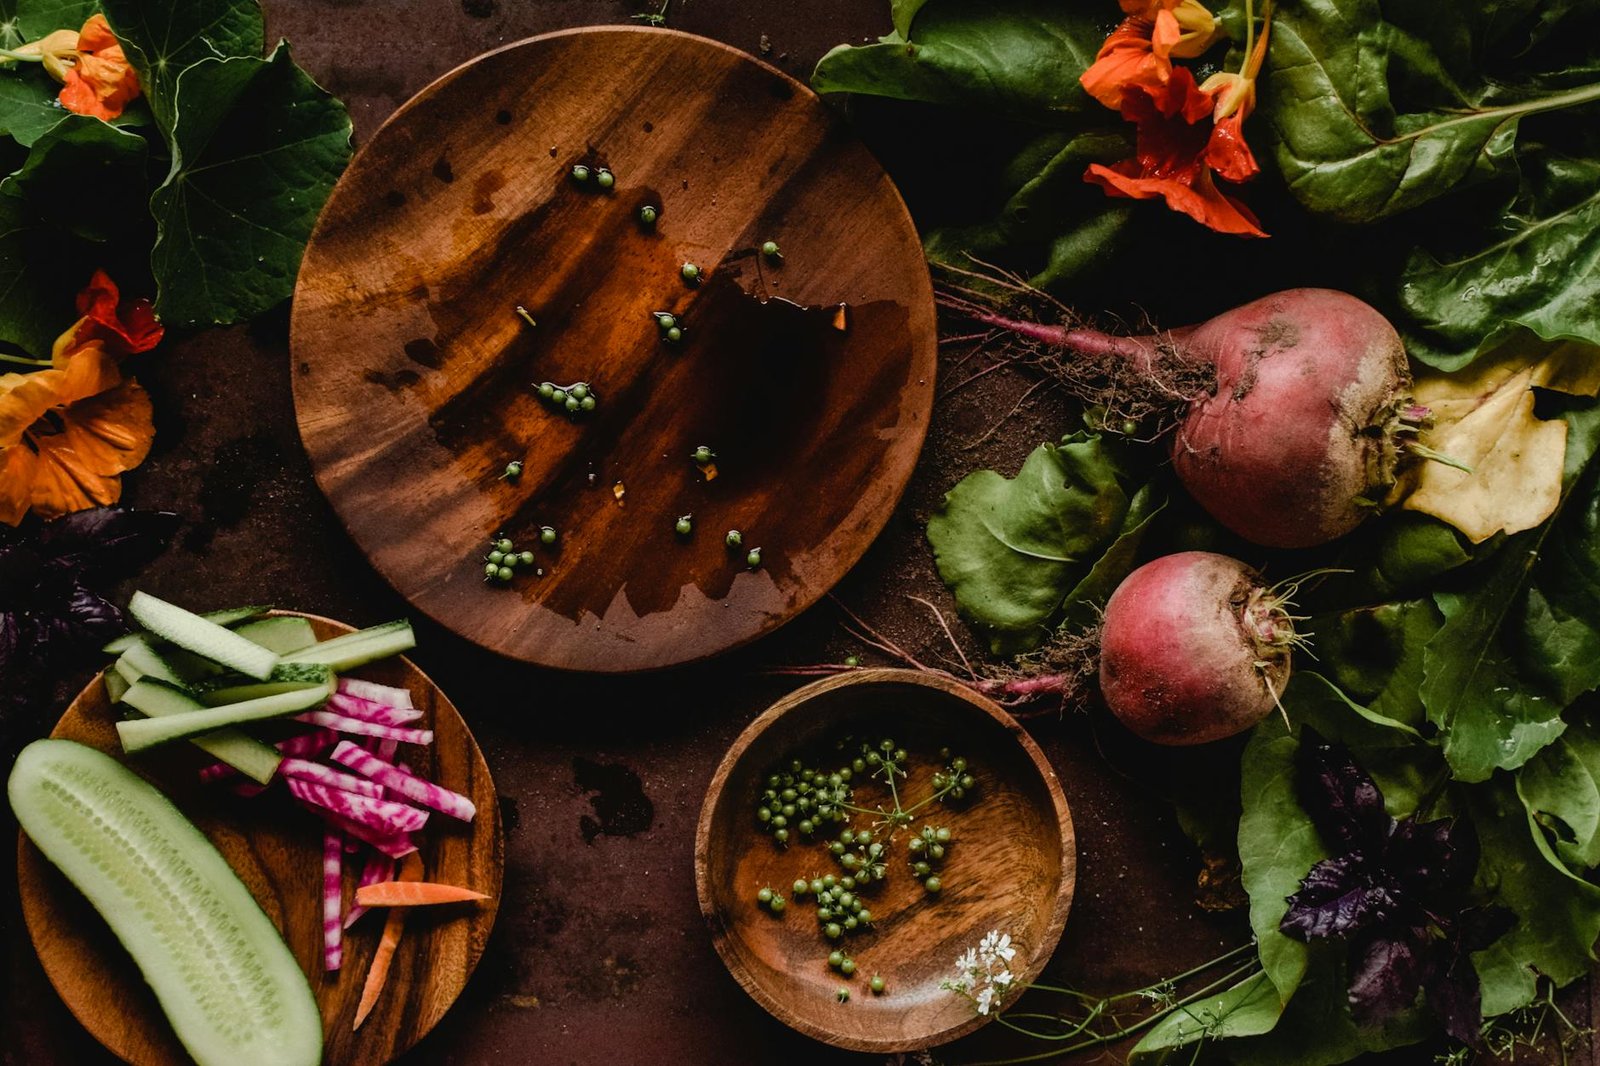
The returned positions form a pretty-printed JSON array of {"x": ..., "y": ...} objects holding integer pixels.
[{"x": 600, "y": 955}]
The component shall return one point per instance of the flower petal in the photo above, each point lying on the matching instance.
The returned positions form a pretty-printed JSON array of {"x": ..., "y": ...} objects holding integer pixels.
[
  {"x": 1203, "y": 201},
  {"x": 17, "y": 467},
  {"x": 101, "y": 82},
  {"x": 132, "y": 322},
  {"x": 1125, "y": 59}
]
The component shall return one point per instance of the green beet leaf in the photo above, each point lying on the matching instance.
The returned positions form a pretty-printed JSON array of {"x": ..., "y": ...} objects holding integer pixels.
[
  {"x": 254, "y": 158},
  {"x": 1249, "y": 1008},
  {"x": 1560, "y": 787},
  {"x": 1530, "y": 264},
  {"x": 1022, "y": 56},
  {"x": 1277, "y": 846},
  {"x": 1375, "y": 654},
  {"x": 1370, "y": 118},
  {"x": 1014, "y": 550},
  {"x": 1521, "y": 632},
  {"x": 1558, "y": 913},
  {"x": 163, "y": 40}
]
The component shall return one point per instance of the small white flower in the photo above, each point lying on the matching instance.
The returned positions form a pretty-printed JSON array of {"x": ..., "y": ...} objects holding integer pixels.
[
  {"x": 1003, "y": 948},
  {"x": 1003, "y": 978},
  {"x": 967, "y": 962},
  {"x": 984, "y": 998}
]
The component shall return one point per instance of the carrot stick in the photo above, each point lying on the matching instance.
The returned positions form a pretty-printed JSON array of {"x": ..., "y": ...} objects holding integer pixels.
[
  {"x": 378, "y": 975},
  {"x": 413, "y": 894}
]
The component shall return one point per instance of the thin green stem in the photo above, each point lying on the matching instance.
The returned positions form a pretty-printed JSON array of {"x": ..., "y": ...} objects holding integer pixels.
[
  {"x": 22, "y": 359},
  {"x": 1100, "y": 1040},
  {"x": 1249, "y": 33},
  {"x": 21, "y": 57}
]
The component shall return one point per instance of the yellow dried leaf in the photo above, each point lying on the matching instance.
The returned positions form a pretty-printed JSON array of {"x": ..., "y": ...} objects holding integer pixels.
[{"x": 1483, "y": 417}]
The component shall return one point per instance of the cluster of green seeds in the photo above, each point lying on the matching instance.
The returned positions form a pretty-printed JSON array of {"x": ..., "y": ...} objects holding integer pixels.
[
  {"x": 771, "y": 900},
  {"x": 598, "y": 177},
  {"x": 800, "y": 799},
  {"x": 579, "y": 398},
  {"x": 669, "y": 326},
  {"x": 505, "y": 559},
  {"x": 927, "y": 856}
]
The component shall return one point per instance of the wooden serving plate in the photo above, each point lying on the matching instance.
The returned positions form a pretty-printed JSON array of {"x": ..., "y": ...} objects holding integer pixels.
[
  {"x": 414, "y": 377},
  {"x": 276, "y": 849},
  {"x": 1012, "y": 866}
]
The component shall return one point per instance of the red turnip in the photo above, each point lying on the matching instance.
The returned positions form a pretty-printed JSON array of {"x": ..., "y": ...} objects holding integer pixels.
[
  {"x": 1296, "y": 432},
  {"x": 1194, "y": 648}
]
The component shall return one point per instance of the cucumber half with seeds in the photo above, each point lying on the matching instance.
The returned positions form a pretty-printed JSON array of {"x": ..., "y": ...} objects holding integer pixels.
[{"x": 222, "y": 973}]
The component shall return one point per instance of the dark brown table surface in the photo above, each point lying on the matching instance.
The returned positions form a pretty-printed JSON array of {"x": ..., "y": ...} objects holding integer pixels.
[{"x": 600, "y": 955}]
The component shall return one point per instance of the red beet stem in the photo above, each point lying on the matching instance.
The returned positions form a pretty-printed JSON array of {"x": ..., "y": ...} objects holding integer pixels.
[{"x": 1090, "y": 342}]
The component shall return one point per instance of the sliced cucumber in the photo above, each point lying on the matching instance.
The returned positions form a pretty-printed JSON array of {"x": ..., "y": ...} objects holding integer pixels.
[
  {"x": 282, "y": 634},
  {"x": 221, "y": 971},
  {"x": 190, "y": 631},
  {"x": 142, "y": 733},
  {"x": 141, "y": 660},
  {"x": 286, "y": 677},
  {"x": 226, "y": 617},
  {"x": 358, "y": 648},
  {"x": 235, "y": 747},
  {"x": 116, "y": 685}
]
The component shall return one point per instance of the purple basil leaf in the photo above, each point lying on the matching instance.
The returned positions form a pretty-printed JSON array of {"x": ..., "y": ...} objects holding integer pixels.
[
  {"x": 1455, "y": 997},
  {"x": 106, "y": 542},
  {"x": 1385, "y": 975},
  {"x": 1342, "y": 799},
  {"x": 84, "y": 620},
  {"x": 1338, "y": 897},
  {"x": 10, "y": 640}
]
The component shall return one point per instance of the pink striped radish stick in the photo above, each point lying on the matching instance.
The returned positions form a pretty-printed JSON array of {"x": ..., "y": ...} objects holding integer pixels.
[
  {"x": 356, "y": 727},
  {"x": 302, "y": 745},
  {"x": 408, "y": 785},
  {"x": 387, "y": 749},
  {"x": 367, "y": 711},
  {"x": 394, "y": 845},
  {"x": 384, "y": 816},
  {"x": 332, "y": 898},
  {"x": 326, "y": 775},
  {"x": 378, "y": 867},
  {"x": 371, "y": 690}
]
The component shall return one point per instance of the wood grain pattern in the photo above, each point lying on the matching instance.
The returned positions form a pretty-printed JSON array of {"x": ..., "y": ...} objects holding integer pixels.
[
  {"x": 1012, "y": 867},
  {"x": 414, "y": 378},
  {"x": 276, "y": 849}
]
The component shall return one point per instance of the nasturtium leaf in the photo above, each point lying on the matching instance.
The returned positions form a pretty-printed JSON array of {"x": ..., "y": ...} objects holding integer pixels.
[
  {"x": 1249, "y": 1008},
  {"x": 1560, "y": 787},
  {"x": 1021, "y": 56},
  {"x": 1013, "y": 549},
  {"x": 28, "y": 20},
  {"x": 1484, "y": 418},
  {"x": 1534, "y": 264},
  {"x": 28, "y": 104},
  {"x": 1558, "y": 914},
  {"x": 163, "y": 40},
  {"x": 80, "y": 184},
  {"x": 257, "y": 146},
  {"x": 1369, "y": 121}
]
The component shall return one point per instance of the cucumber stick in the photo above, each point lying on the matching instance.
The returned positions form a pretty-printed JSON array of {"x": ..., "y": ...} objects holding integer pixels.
[
  {"x": 355, "y": 649},
  {"x": 221, "y": 971},
  {"x": 193, "y": 633},
  {"x": 142, "y": 660},
  {"x": 235, "y": 747},
  {"x": 226, "y": 617},
  {"x": 282, "y": 634},
  {"x": 286, "y": 677},
  {"x": 140, "y": 733}
]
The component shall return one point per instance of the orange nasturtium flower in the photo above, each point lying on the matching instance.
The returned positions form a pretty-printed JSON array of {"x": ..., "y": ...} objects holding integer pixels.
[
  {"x": 96, "y": 78},
  {"x": 67, "y": 433},
  {"x": 1141, "y": 49},
  {"x": 1179, "y": 154}
]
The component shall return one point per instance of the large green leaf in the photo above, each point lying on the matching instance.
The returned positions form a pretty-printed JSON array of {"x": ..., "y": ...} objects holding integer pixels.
[
  {"x": 163, "y": 40},
  {"x": 1022, "y": 56},
  {"x": 1558, "y": 914},
  {"x": 1370, "y": 120},
  {"x": 1277, "y": 846},
  {"x": 79, "y": 186},
  {"x": 257, "y": 146},
  {"x": 1375, "y": 654},
  {"x": 1534, "y": 264},
  {"x": 1013, "y": 550},
  {"x": 27, "y": 20}
]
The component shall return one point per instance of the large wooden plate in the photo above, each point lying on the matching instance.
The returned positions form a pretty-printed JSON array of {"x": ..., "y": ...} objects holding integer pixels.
[
  {"x": 277, "y": 851},
  {"x": 1012, "y": 868},
  {"x": 414, "y": 377}
]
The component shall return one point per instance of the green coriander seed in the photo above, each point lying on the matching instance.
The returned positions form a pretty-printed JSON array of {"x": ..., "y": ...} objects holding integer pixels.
[
  {"x": 648, "y": 214},
  {"x": 503, "y": 544},
  {"x": 753, "y": 560},
  {"x": 770, "y": 250},
  {"x": 684, "y": 526},
  {"x": 504, "y": 574},
  {"x": 734, "y": 538},
  {"x": 876, "y": 984},
  {"x": 547, "y": 535},
  {"x": 580, "y": 174},
  {"x": 674, "y": 335},
  {"x": 690, "y": 272},
  {"x": 525, "y": 558},
  {"x": 604, "y": 178}
]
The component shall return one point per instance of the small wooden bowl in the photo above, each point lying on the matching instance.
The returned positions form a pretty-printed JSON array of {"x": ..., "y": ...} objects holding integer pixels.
[
  {"x": 1012, "y": 866},
  {"x": 277, "y": 851}
]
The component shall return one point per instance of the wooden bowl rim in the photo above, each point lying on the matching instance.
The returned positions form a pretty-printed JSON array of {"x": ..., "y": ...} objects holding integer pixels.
[
  {"x": 801, "y": 603},
  {"x": 1065, "y": 887},
  {"x": 492, "y": 904}
]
